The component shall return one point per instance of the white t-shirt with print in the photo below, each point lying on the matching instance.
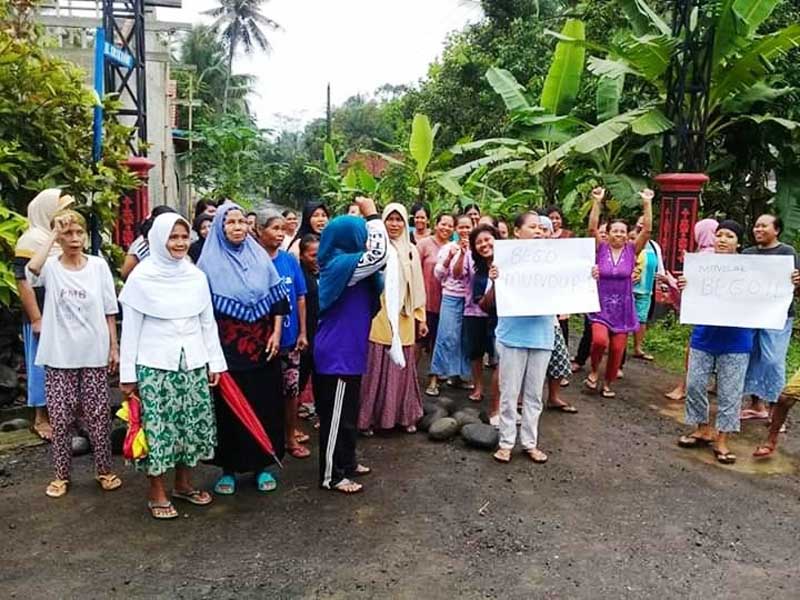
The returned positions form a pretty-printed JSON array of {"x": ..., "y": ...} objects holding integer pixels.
[{"x": 74, "y": 330}]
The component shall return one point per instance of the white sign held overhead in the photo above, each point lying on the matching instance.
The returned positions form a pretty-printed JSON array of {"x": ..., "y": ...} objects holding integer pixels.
[
  {"x": 545, "y": 277},
  {"x": 737, "y": 290}
]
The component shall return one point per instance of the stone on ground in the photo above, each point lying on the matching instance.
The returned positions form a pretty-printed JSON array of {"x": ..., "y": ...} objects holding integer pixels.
[
  {"x": 447, "y": 403},
  {"x": 15, "y": 425},
  {"x": 443, "y": 429},
  {"x": 80, "y": 445},
  {"x": 429, "y": 405},
  {"x": 480, "y": 435},
  {"x": 465, "y": 417}
]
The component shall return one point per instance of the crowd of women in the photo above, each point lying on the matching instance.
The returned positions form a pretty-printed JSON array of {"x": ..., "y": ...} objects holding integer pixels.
[{"x": 330, "y": 317}]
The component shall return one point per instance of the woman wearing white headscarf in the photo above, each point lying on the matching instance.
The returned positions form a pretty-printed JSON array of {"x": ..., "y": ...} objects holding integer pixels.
[
  {"x": 171, "y": 352},
  {"x": 41, "y": 211},
  {"x": 390, "y": 394}
]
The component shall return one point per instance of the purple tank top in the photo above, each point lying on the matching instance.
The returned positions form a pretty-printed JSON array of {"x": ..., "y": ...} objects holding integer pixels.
[
  {"x": 342, "y": 341},
  {"x": 615, "y": 288}
]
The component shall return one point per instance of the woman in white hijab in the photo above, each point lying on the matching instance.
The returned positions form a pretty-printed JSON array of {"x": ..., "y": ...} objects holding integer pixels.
[
  {"x": 172, "y": 354},
  {"x": 41, "y": 211}
]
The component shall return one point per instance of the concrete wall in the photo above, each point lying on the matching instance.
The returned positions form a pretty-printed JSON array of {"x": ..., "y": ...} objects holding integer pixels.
[{"x": 74, "y": 37}]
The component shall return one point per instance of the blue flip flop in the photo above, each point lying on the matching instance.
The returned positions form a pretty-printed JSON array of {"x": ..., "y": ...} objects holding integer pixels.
[
  {"x": 225, "y": 486},
  {"x": 266, "y": 482}
]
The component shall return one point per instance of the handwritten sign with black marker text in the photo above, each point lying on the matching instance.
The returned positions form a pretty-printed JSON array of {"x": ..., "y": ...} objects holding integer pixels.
[
  {"x": 545, "y": 277},
  {"x": 737, "y": 290}
]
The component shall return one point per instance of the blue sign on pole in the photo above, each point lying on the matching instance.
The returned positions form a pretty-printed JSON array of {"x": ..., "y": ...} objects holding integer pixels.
[
  {"x": 100, "y": 88},
  {"x": 118, "y": 56}
]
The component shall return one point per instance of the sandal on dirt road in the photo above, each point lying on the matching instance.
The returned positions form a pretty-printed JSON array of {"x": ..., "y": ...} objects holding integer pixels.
[
  {"x": 162, "y": 510},
  {"x": 692, "y": 441},
  {"x": 57, "y": 488},
  {"x": 536, "y": 455},
  {"x": 764, "y": 451},
  {"x": 502, "y": 455},
  {"x": 196, "y": 497},
  {"x": 108, "y": 482},
  {"x": 725, "y": 458},
  {"x": 348, "y": 486}
]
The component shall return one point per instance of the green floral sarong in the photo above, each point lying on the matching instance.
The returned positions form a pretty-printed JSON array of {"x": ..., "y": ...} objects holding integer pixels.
[{"x": 177, "y": 418}]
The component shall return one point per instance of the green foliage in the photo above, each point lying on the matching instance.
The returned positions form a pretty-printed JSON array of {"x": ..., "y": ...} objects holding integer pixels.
[
  {"x": 46, "y": 115},
  {"x": 12, "y": 225},
  {"x": 227, "y": 160}
]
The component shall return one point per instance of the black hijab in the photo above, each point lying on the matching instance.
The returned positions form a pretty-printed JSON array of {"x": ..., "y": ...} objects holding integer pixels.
[{"x": 305, "y": 224}]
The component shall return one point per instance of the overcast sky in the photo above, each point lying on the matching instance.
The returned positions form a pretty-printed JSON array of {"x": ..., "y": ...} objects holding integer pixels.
[{"x": 357, "y": 45}]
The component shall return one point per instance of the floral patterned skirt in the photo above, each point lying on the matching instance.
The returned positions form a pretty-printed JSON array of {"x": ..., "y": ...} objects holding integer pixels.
[{"x": 177, "y": 418}]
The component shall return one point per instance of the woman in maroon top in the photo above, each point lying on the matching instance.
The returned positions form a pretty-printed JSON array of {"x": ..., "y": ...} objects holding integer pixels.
[{"x": 557, "y": 218}]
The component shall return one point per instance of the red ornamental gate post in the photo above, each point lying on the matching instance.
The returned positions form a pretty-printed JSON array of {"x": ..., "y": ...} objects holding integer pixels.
[
  {"x": 134, "y": 206},
  {"x": 680, "y": 199}
]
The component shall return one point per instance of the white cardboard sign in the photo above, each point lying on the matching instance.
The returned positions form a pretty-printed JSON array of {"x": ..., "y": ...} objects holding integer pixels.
[
  {"x": 737, "y": 290},
  {"x": 545, "y": 277}
]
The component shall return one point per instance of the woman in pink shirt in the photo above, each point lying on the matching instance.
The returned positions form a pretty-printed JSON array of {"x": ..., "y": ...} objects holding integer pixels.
[
  {"x": 428, "y": 249},
  {"x": 449, "y": 353}
]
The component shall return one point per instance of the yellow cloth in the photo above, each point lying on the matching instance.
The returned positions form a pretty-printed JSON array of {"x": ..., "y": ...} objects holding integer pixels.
[
  {"x": 411, "y": 282},
  {"x": 792, "y": 388},
  {"x": 381, "y": 332}
]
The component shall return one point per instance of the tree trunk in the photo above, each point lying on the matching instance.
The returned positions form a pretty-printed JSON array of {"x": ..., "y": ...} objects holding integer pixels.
[{"x": 231, "y": 49}]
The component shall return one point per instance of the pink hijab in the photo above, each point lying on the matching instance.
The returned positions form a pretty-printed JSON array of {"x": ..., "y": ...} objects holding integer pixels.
[{"x": 705, "y": 233}]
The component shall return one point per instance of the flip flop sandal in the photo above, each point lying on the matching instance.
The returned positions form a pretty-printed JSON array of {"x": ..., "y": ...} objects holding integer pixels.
[
  {"x": 57, "y": 488},
  {"x": 645, "y": 356},
  {"x": 367, "y": 433},
  {"x": 764, "y": 451},
  {"x": 752, "y": 415},
  {"x": 690, "y": 441},
  {"x": 196, "y": 497},
  {"x": 478, "y": 398},
  {"x": 564, "y": 408},
  {"x": 109, "y": 482},
  {"x": 162, "y": 510},
  {"x": 411, "y": 429},
  {"x": 537, "y": 456},
  {"x": 564, "y": 382},
  {"x": 266, "y": 482},
  {"x": 225, "y": 486},
  {"x": 590, "y": 384},
  {"x": 502, "y": 455},
  {"x": 608, "y": 394},
  {"x": 361, "y": 471},
  {"x": 299, "y": 451},
  {"x": 432, "y": 391},
  {"x": 725, "y": 458},
  {"x": 302, "y": 438},
  {"x": 345, "y": 483}
]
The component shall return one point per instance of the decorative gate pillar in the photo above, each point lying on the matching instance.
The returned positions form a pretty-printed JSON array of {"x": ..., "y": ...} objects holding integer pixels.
[
  {"x": 680, "y": 197},
  {"x": 134, "y": 206}
]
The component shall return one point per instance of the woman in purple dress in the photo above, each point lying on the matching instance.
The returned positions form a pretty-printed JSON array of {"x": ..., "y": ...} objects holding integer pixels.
[{"x": 616, "y": 259}]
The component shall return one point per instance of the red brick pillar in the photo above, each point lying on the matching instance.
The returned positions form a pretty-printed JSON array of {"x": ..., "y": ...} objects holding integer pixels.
[
  {"x": 680, "y": 198},
  {"x": 134, "y": 206}
]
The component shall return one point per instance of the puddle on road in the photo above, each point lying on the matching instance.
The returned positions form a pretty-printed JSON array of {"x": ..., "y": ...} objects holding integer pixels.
[{"x": 742, "y": 444}]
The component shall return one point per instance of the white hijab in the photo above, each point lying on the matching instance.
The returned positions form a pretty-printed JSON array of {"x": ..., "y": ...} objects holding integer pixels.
[
  {"x": 41, "y": 211},
  {"x": 161, "y": 286}
]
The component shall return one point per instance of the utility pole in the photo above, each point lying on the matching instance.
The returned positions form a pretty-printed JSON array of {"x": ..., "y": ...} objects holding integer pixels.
[{"x": 328, "y": 116}]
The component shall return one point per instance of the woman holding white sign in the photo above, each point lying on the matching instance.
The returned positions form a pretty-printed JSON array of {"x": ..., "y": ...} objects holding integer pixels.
[
  {"x": 616, "y": 260},
  {"x": 766, "y": 373},
  {"x": 726, "y": 351},
  {"x": 524, "y": 345}
]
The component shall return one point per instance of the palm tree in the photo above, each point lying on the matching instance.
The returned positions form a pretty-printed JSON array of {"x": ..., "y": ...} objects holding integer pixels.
[
  {"x": 201, "y": 48},
  {"x": 241, "y": 22}
]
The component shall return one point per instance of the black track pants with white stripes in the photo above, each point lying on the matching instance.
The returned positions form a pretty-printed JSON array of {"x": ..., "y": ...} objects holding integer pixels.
[{"x": 337, "y": 399}]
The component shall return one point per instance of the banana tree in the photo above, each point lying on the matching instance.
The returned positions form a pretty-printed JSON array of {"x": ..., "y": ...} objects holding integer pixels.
[
  {"x": 742, "y": 90},
  {"x": 339, "y": 182},
  {"x": 550, "y": 134}
]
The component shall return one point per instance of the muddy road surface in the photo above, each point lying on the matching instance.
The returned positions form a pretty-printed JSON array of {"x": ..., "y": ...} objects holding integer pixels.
[{"x": 619, "y": 511}]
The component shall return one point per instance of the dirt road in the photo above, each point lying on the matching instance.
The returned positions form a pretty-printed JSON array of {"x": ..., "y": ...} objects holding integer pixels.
[{"x": 618, "y": 512}]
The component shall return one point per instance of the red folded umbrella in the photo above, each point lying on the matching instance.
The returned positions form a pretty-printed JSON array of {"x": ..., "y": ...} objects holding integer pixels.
[{"x": 235, "y": 399}]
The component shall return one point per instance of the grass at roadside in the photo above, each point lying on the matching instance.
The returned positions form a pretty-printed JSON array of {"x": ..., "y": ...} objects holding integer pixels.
[{"x": 667, "y": 339}]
